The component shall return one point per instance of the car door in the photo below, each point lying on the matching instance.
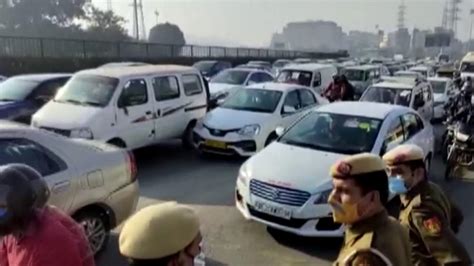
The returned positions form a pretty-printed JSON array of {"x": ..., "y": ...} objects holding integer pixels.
[
  {"x": 56, "y": 172},
  {"x": 291, "y": 108},
  {"x": 134, "y": 113},
  {"x": 169, "y": 107},
  {"x": 395, "y": 135},
  {"x": 195, "y": 100},
  {"x": 415, "y": 132}
]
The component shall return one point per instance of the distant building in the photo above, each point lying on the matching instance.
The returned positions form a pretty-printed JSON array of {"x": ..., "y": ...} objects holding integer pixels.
[
  {"x": 400, "y": 41},
  {"x": 325, "y": 36},
  {"x": 359, "y": 41},
  {"x": 279, "y": 42}
]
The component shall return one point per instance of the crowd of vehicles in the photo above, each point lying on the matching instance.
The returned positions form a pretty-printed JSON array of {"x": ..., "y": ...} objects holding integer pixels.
[{"x": 85, "y": 125}]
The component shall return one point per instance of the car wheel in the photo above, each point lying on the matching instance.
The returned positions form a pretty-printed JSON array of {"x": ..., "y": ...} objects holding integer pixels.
[
  {"x": 273, "y": 136},
  {"x": 96, "y": 229},
  {"x": 117, "y": 143},
  {"x": 187, "y": 138}
]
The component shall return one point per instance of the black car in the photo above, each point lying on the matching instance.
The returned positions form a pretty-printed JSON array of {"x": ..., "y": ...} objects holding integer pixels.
[
  {"x": 210, "y": 68},
  {"x": 21, "y": 96}
]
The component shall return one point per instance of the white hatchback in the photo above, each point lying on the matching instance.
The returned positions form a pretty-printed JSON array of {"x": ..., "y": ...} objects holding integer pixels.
[
  {"x": 443, "y": 88},
  {"x": 286, "y": 186},
  {"x": 246, "y": 122}
]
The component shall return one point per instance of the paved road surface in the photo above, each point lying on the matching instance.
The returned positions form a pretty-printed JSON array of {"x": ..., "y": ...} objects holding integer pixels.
[{"x": 167, "y": 172}]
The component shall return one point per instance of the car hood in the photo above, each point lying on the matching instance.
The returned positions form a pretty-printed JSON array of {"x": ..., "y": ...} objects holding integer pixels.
[
  {"x": 15, "y": 108},
  {"x": 220, "y": 87},
  {"x": 65, "y": 115},
  {"x": 225, "y": 119},
  {"x": 439, "y": 97},
  {"x": 293, "y": 167}
]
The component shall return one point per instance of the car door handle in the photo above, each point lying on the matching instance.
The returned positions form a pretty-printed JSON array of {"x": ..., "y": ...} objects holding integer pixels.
[
  {"x": 148, "y": 113},
  {"x": 158, "y": 113},
  {"x": 57, "y": 187}
]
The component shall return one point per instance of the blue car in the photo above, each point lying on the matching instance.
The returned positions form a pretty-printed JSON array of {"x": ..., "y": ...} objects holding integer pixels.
[{"x": 21, "y": 96}]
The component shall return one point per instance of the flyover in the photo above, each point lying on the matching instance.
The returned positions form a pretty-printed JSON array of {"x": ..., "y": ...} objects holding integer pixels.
[{"x": 30, "y": 55}]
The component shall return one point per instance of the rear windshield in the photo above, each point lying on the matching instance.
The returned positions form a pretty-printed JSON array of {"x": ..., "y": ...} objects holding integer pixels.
[
  {"x": 295, "y": 77},
  {"x": 89, "y": 90}
]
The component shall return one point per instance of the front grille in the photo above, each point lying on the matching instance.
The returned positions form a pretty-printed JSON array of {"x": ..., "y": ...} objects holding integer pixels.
[
  {"x": 292, "y": 223},
  {"x": 63, "y": 132},
  {"x": 286, "y": 196},
  {"x": 219, "y": 132}
]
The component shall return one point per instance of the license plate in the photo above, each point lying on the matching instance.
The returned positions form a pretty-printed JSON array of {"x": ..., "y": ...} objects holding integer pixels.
[
  {"x": 216, "y": 144},
  {"x": 272, "y": 210}
]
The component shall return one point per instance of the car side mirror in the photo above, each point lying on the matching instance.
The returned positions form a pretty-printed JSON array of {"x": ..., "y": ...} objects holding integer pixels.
[
  {"x": 122, "y": 103},
  {"x": 279, "y": 131},
  {"x": 287, "y": 109}
]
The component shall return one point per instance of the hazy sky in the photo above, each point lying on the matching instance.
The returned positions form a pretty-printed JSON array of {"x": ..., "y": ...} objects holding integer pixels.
[{"x": 251, "y": 22}]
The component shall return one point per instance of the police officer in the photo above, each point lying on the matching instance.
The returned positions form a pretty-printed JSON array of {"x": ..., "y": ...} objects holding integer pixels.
[
  {"x": 426, "y": 211},
  {"x": 360, "y": 191},
  {"x": 165, "y": 234}
]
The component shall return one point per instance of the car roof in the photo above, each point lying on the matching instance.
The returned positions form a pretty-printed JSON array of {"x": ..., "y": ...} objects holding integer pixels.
[
  {"x": 248, "y": 69},
  {"x": 363, "y": 67},
  {"x": 419, "y": 68},
  {"x": 43, "y": 77},
  {"x": 308, "y": 67},
  {"x": 126, "y": 71},
  {"x": 444, "y": 79},
  {"x": 276, "y": 86},
  {"x": 395, "y": 85},
  {"x": 364, "y": 109}
]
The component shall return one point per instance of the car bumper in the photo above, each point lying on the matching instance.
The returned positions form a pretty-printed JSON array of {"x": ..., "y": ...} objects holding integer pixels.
[
  {"x": 230, "y": 144},
  {"x": 319, "y": 225},
  {"x": 123, "y": 202}
]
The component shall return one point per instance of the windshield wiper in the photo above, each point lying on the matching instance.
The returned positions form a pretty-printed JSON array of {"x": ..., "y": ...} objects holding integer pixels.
[
  {"x": 302, "y": 144},
  {"x": 91, "y": 103},
  {"x": 68, "y": 101}
]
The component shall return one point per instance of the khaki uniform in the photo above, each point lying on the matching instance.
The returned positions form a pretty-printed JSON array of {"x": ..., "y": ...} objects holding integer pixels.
[
  {"x": 430, "y": 217},
  {"x": 379, "y": 240}
]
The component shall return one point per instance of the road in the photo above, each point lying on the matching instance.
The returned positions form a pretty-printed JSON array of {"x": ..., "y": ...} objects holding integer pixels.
[{"x": 167, "y": 172}]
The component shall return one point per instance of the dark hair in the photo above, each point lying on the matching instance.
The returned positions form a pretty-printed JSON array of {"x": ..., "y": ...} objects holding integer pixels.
[
  {"x": 375, "y": 181},
  {"x": 152, "y": 262},
  {"x": 416, "y": 164}
]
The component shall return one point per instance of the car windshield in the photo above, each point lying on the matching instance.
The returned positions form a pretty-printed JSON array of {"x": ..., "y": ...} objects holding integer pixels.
[
  {"x": 355, "y": 75},
  {"x": 234, "y": 77},
  {"x": 88, "y": 90},
  {"x": 295, "y": 77},
  {"x": 255, "y": 100},
  {"x": 335, "y": 133},
  {"x": 204, "y": 66},
  {"x": 467, "y": 67},
  {"x": 16, "y": 89},
  {"x": 387, "y": 95},
  {"x": 438, "y": 86}
]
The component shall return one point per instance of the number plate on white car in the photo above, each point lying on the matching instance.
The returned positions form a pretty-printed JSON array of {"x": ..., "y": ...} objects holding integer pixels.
[{"x": 272, "y": 210}]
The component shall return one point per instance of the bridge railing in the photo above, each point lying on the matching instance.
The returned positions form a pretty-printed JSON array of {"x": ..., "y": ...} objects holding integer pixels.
[{"x": 72, "y": 48}]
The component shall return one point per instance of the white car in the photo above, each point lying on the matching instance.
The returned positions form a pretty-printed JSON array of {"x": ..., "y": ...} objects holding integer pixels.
[
  {"x": 403, "y": 91},
  {"x": 443, "y": 88},
  {"x": 246, "y": 122},
  {"x": 93, "y": 182},
  {"x": 408, "y": 74},
  {"x": 286, "y": 185},
  {"x": 228, "y": 80},
  {"x": 426, "y": 71}
]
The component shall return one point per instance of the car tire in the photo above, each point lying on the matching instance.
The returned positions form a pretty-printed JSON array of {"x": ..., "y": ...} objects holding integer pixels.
[
  {"x": 117, "y": 143},
  {"x": 187, "y": 138},
  {"x": 96, "y": 229},
  {"x": 273, "y": 136}
]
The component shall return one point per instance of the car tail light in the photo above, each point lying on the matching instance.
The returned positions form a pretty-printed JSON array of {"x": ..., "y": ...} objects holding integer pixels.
[{"x": 132, "y": 166}]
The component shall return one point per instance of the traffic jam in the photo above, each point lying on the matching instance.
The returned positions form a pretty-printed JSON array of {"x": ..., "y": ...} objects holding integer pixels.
[{"x": 287, "y": 118}]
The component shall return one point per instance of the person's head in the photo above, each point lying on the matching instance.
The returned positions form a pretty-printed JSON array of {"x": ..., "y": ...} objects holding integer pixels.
[
  {"x": 406, "y": 163},
  {"x": 360, "y": 188},
  {"x": 38, "y": 183},
  {"x": 165, "y": 234},
  {"x": 344, "y": 78},
  {"x": 336, "y": 78},
  {"x": 17, "y": 201}
]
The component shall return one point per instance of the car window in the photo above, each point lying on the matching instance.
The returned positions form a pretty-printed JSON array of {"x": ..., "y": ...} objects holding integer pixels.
[
  {"x": 395, "y": 134},
  {"x": 255, "y": 77},
  {"x": 307, "y": 98},
  {"x": 418, "y": 97},
  {"x": 192, "y": 84},
  {"x": 411, "y": 125},
  {"x": 48, "y": 89},
  {"x": 317, "y": 79},
  {"x": 292, "y": 100},
  {"x": 30, "y": 153},
  {"x": 165, "y": 88},
  {"x": 134, "y": 93},
  {"x": 264, "y": 77}
]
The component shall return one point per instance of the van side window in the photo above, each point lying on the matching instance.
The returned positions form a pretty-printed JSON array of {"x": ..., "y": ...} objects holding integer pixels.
[
  {"x": 395, "y": 134},
  {"x": 192, "y": 84},
  {"x": 317, "y": 79},
  {"x": 134, "y": 93},
  {"x": 166, "y": 88}
]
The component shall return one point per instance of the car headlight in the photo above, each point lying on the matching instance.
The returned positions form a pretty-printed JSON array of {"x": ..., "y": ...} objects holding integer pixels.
[
  {"x": 82, "y": 133},
  {"x": 462, "y": 137},
  {"x": 249, "y": 130},
  {"x": 322, "y": 197},
  {"x": 244, "y": 174}
]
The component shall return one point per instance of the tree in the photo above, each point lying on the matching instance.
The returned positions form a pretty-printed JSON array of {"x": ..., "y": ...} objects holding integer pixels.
[
  {"x": 104, "y": 25},
  {"x": 167, "y": 33}
]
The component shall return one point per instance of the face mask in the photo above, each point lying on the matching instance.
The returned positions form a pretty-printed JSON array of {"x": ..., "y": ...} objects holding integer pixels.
[
  {"x": 345, "y": 213},
  {"x": 397, "y": 185}
]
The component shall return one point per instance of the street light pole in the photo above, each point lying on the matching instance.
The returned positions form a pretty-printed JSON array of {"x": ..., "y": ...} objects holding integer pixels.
[
  {"x": 471, "y": 13},
  {"x": 135, "y": 18}
]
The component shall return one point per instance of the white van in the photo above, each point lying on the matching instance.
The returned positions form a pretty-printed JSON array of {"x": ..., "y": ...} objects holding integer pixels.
[
  {"x": 467, "y": 65},
  {"x": 316, "y": 76},
  {"x": 129, "y": 107}
]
